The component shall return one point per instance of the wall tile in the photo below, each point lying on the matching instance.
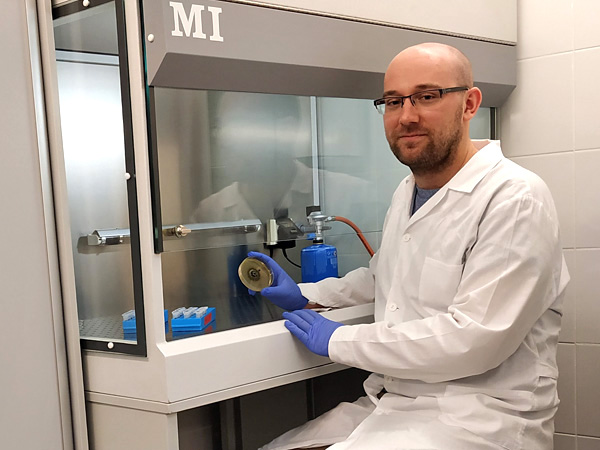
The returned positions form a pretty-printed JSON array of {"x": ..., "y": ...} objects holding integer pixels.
[
  {"x": 587, "y": 443},
  {"x": 564, "y": 442},
  {"x": 564, "y": 421},
  {"x": 534, "y": 120},
  {"x": 557, "y": 170},
  {"x": 587, "y": 198},
  {"x": 587, "y": 360},
  {"x": 543, "y": 30},
  {"x": 586, "y": 15},
  {"x": 586, "y": 99},
  {"x": 587, "y": 295},
  {"x": 567, "y": 331}
]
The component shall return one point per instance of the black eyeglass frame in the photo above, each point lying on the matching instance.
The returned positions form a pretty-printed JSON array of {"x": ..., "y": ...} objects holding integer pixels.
[{"x": 381, "y": 101}]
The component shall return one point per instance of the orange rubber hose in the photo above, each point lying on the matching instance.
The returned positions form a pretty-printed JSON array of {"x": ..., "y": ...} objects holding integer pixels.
[{"x": 358, "y": 232}]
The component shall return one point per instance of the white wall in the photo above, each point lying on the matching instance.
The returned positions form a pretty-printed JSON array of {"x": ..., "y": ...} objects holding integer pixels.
[{"x": 551, "y": 125}]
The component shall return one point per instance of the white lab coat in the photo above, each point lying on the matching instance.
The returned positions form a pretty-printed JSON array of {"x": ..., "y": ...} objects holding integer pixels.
[{"x": 468, "y": 299}]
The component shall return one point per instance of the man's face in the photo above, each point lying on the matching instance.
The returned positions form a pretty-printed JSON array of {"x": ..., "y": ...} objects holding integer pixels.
[{"x": 424, "y": 139}]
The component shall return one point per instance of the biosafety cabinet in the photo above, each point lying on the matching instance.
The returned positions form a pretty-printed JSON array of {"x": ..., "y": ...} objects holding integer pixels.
[{"x": 193, "y": 132}]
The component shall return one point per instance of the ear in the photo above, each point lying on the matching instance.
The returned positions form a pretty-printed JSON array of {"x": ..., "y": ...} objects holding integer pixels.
[{"x": 472, "y": 103}]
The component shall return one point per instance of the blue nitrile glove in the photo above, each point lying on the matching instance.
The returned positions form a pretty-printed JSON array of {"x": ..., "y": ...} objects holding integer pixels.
[
  {"x": 284, "y": 292},
  {"x": 312, "y": 329}
]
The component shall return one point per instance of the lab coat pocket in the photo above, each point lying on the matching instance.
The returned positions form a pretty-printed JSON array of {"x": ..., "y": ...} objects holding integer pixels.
[{"x": 438, "y": 284}]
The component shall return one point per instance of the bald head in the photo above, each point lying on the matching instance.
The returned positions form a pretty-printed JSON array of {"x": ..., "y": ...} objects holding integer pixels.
[{"x": 441, "y": 56}]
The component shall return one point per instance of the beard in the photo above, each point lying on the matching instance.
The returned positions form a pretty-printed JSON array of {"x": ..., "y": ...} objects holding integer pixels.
[{"x": 432, "y": 156}]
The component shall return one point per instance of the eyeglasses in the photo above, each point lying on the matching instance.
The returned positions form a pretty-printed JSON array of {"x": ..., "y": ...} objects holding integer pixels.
[{"x": 422, "y": 99}]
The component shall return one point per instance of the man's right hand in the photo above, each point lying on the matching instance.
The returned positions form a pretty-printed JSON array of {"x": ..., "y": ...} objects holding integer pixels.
[{"x": 284, "y": 292}]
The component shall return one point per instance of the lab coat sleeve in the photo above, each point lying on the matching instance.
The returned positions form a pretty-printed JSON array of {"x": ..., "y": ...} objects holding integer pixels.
[
  {"x": 510, "y": 278},
  {"x": 355, "y": 288}
]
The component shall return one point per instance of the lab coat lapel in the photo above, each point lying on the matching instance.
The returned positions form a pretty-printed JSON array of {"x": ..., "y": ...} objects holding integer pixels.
[
  {"x": 428, "y": 206},
  {"x": 487, "y": 157},
  {"x": 465, "y": 180},
  {"x": 408, "y": 196}
]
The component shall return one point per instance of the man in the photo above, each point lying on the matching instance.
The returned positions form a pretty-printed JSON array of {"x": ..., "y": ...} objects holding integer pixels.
[{"x": 467, "y": 284}]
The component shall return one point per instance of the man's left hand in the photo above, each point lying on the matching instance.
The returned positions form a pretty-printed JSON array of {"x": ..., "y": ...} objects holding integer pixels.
[{"x": 312, "y": 329}]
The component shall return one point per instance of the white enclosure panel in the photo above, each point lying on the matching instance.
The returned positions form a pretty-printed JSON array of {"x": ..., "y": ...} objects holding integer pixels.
[
  {"x": 35, "y": 410},
  {"x": 200, "y": 370},
  {"x": 132, "y": 429},
  {"x": 490, "y": 19}
]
